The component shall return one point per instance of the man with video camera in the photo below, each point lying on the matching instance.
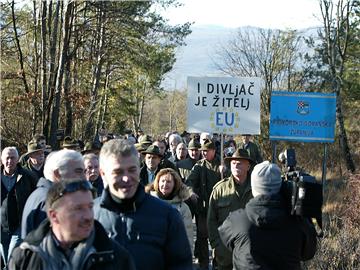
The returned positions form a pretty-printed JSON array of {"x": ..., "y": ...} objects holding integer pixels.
[{"x": 264, "y": 235}]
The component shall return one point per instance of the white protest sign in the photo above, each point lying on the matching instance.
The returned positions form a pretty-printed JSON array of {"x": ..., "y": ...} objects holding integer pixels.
[{"x": 223, "y": 105}]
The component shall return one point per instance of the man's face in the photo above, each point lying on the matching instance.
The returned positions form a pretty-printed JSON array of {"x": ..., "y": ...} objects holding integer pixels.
[
  {"x": 152, "y": 161},
  {"x": 194, "y": 153},
  {"x": 37, "y": 158},
  {"x": 246, "y": 139},
  {"x": 73, "y": 219},
  {"x": 91, "y": 169},
  {"x": 74, "y": 169},
  {"x": 172, "y": 145},
  {"x": 9, "y": 159},
  {"x": 121, "y": 175},
  {"x": 240, "y": 168},
  {"x": 161, "y": 145},
  {"x": 42, "y": 143},
  {"x": 208, "y": 154},
  {"x": 181, "y": 151}
]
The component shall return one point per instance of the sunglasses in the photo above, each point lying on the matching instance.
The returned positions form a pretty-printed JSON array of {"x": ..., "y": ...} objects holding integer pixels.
[{"x": 76, "y": 186}]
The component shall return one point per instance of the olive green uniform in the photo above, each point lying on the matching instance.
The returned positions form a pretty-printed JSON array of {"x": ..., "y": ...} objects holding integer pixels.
[
  {"x": 184, "y": 166},
  {"x": 227, "y": 196},
  {"x": 203, "y": 176}
]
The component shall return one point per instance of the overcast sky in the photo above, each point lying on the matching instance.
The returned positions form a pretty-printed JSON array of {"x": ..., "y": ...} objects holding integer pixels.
[{"x": 280, "y": 14}]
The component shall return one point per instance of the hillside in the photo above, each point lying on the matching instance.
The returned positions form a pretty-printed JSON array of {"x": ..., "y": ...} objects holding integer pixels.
[{"x": 196, "y": 58}]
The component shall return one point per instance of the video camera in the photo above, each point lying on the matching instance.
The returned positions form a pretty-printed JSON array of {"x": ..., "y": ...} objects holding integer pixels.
[{"x": 303, "y": 193}]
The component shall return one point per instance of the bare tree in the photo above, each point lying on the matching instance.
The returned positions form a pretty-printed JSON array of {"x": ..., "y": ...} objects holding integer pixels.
[
  {"x": 269, "y": 54},
  {"x": 337, "y": 32},
  {"x": 97, "y": 71},
  {"x": 69, "y": 9}
]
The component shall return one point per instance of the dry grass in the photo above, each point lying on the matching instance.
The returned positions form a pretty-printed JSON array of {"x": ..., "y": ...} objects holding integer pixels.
[{"x": 339, "y": 249}]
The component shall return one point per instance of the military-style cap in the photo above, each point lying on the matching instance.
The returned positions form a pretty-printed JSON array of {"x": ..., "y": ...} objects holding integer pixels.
[
  {"x": 90, "y": 147},
  {"x": 33, "y": 147},
  {"x": 207, "y": 145},
  {"x": 140, "y": 147},
  {"x": 69, "y": 143},
  {"x": 240, "y": 154},
  {"x": 152, "y": 150},
  {"x": 145, "y": 139},
  {"x": 194, "y": 145}
]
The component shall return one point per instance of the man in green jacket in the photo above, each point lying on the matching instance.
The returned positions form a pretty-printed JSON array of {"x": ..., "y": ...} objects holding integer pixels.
[
  {"x": 229, "y": 194},
  {"x": 252, "y": 149},
  {"x": 204, "y": 175}
]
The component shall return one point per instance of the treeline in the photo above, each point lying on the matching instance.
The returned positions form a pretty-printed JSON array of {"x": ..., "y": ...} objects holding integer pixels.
[{"x": 78, "y": 64}]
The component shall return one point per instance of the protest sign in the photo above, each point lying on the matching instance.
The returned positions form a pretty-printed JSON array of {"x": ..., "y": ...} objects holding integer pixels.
[{"x": 223, "y": 105}]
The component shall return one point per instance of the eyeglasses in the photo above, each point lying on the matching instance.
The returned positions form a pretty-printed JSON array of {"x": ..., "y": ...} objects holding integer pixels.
[{"x": 76, "y": 186}]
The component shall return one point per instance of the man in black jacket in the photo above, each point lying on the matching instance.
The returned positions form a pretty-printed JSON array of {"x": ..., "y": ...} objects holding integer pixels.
[
  {"x": 17, "y": 184},
  {"x": 264, "y": 235},
  {"x": 70, "y": 238}
]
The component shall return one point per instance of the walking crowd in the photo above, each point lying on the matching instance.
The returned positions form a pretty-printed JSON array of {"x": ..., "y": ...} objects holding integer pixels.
[{"x": 138, "y": 202}]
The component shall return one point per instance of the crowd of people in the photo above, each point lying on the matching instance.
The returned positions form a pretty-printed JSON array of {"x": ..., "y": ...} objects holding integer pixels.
[{"x": 146, "y": 203}]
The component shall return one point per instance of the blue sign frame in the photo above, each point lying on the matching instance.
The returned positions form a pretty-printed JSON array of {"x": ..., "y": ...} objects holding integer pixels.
[{"x": 302, "y": 116}]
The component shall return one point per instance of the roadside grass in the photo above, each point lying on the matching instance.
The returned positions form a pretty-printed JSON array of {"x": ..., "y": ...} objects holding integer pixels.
[{"x": 339, "y": 249}]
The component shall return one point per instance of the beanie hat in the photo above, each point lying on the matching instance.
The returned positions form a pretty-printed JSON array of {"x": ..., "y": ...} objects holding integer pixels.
[{"x": 266, "y": 179}]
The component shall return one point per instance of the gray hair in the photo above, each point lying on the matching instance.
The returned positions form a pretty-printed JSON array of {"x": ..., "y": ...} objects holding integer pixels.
[
  {"x": 175, "y": 137},
  {"x": 90, "y": 156},
  {"x": 117, "y": 148},
  {"x": 10, "y": 148},
  {"x": 59, "y": 161}
]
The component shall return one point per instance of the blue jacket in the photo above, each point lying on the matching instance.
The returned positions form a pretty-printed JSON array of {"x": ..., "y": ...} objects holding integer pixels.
[
  {"x": 150, "y": 229},
  {"x": 34, "y": 210}
]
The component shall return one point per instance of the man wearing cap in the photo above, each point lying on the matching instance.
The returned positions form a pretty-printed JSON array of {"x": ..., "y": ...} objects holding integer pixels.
[
  {"x": 229, "y": 194},
  {"x": 252, "y": 148},
  {"x": 17, "y": 184},
  {"x": 35, "y": 159},
  {"x": 70, "y": 144},
  {"x": 264, "y": 235},
  {"x": 203, "y": 176},
  {"x": 70, "y": 238},
  {"x": 164, "y": 163},
  {"x": 187, "y": 164},
  {"x": 151, "y": 167}
]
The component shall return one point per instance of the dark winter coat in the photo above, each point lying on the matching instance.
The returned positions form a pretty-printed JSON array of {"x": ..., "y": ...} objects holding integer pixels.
[
  {"x": 34, "y": 210},
  {"x": 107, "y": 255},
  {"x": 13, "y": 202},
  {"x": 150, "y": 229},
  {"x": 264, "y": 236},
  {"x": 203, "y": 177}
]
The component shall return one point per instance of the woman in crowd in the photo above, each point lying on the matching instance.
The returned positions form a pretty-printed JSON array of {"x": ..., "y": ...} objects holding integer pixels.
[{"x": 168, "y": 187}]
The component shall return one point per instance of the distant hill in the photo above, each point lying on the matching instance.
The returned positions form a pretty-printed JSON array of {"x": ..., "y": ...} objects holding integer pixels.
[{"x": 195, "y": 59}]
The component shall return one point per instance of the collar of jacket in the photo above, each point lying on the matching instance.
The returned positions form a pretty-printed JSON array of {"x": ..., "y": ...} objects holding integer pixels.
[
  {"x": 102, "y": 242},
  {"x": 43, "y": 182},
  {"x": 247, "y": 183},
  {"x": 108, "y": 203}
]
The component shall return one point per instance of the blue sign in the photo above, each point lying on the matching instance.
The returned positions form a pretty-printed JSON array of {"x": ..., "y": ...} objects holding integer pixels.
[{"x": 302, "y": 116}]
